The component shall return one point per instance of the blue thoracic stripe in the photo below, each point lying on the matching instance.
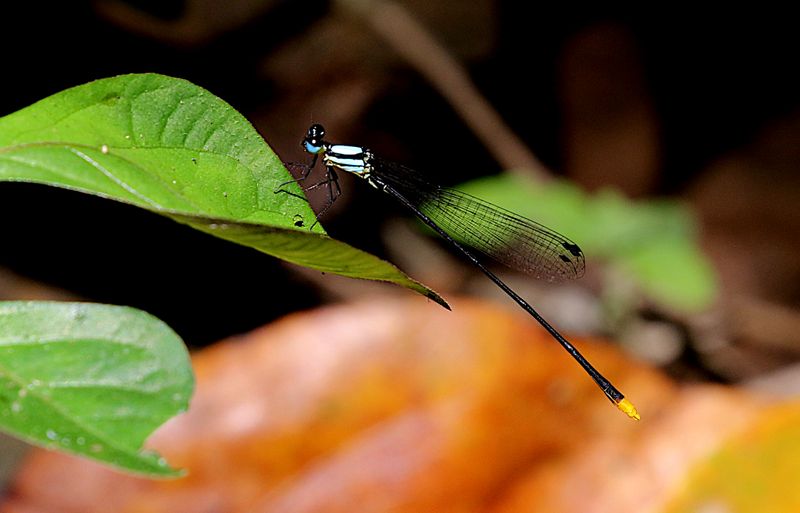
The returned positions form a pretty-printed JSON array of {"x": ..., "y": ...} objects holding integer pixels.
[
  {"x": 346, "y": 150},
  {"x": 350, "y": 159}
]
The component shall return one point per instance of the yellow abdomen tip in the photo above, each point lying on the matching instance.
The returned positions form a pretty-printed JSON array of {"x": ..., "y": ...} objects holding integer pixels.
[{"x": 628, "y": 409}]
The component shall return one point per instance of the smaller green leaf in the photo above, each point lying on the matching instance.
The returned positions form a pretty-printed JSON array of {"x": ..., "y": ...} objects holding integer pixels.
[
  {"x": 93, "y": 380},
  {"x": 620, "y": 225},
  {"x": 671, "y": 271},
  {"x": 653, "y": 241},
  {"x": 559, "y": 205}
]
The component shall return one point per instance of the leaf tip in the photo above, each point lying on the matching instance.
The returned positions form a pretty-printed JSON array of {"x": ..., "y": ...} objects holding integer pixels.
[{"x": 437, "y": 298}]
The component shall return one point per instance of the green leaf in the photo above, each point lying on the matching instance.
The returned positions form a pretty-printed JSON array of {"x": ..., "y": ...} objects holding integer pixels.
[
  {"x": 171, "y": 147},
  {"x": 652, "y": 241},
  {"x": 93, "y": 380},
  {"x": 332, "y": 256},
  {"x": 673, "y": 272}
]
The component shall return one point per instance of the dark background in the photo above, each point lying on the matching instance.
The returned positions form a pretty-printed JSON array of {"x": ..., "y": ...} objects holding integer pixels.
[{"x": 711, "y": 85}]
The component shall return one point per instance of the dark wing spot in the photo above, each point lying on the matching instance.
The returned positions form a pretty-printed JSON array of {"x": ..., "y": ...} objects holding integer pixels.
[
  {"x": 572, "y": 248},
  {"x": 565, "y": 258}
]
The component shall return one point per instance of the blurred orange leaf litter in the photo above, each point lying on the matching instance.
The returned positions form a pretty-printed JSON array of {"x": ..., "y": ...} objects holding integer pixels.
[
  {"x": 754, "y": 471},
  {"x": 396, "y": 406}
]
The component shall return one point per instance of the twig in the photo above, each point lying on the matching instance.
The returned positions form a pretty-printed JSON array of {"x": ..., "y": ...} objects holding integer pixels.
[{"x": 396, "y": 26}]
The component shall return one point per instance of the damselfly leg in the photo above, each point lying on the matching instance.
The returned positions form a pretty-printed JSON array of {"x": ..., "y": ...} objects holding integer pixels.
[{"x": 331, "y": 183}]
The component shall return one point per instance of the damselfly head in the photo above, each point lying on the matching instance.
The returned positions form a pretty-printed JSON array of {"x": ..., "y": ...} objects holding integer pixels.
[{"x": 313, "y": 141}]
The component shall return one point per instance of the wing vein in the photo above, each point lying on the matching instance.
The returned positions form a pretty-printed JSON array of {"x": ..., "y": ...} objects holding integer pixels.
[{"x": 511, "y": 239}]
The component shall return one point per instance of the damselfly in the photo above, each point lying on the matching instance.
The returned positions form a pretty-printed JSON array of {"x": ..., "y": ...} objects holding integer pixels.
[{"x": 464, "y": 220}]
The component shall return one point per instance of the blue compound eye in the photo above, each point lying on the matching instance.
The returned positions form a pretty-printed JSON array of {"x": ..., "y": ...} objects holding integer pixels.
[{"x": 311, "y": 147}]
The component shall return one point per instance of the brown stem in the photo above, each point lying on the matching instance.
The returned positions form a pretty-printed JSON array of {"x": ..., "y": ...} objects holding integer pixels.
[{"x": 396, "y": 26}]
